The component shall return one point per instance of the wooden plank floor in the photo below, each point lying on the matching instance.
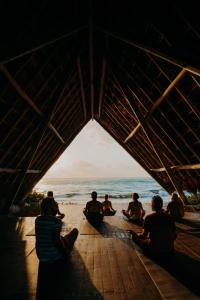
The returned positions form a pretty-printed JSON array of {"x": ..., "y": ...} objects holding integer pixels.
[{"x": 105, "y": 263}]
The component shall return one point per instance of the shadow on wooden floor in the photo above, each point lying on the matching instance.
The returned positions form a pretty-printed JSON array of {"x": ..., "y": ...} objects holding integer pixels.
[
  {"x": 67, "y": 279},
  {"x": 184, "y": 268},
  {"x": 181, "y": 266},
  {"x": 13, "y": 274}
]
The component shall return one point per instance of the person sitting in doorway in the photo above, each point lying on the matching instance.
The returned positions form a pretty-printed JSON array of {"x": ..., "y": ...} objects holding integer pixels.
[
  {"x": 159, "y": 231},
  {"x": 175, "y": 208},
  {"x": 93, "y": 210},
  {"x": 135, "y": 211},
  {"x": 50, "y": 198},
  {"x": 107, "y": 207},
  {"x": 50, "y": 245}
]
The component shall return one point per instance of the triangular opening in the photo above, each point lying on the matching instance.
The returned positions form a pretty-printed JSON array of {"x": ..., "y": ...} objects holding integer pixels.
[{"x": 95, "y": 161}]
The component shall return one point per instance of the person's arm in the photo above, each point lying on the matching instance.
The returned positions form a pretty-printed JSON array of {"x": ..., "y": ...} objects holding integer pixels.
[
  {"x": 61, "y": 215},
  {"x": 129, "y": 208},
  {"x": 167, "y": 209},
  {"x": 56, "y": 236}
]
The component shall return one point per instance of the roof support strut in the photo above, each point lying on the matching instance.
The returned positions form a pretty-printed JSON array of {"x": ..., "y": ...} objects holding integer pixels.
[
  {"x": 153, "y": 52},
  {"x": 151, "y": 138},
  {"x": 23, "y": 94},
  {"x": 183, "y": 167},
  {"x": 158, "y": 101},
  {"x": 36, "y": 142}
]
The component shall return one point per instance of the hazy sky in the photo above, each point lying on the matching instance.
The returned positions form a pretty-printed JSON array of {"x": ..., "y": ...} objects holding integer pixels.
[{"x": 94, "y": 153}]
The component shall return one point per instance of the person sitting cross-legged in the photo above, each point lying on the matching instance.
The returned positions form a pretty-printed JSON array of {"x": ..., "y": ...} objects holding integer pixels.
[
  {"x": 175, "y": 208},
  {"x": 135, "y": 211},
  {"x": 50, "y": 245},
  {"x": 93, "y": 210},
  {"x": 108, "y": 210},
  {"x": 159, "y": 231},
  {"x": 50, "y": 198}
]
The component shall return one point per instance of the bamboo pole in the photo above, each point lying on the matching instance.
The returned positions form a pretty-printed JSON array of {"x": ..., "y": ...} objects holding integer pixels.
[
  {"x": 102, "y": 86},
  {"x": 37, "y": 141},
  {"x": 43, "y": 45},
  {"x": 24, "y": 95},
  {"x": 82, "y": 88},
  {"x": 151, "y": 139},
  {"x": 152, "y": 52},
  {"x": 179, "y": 167},
  {"x": 91, "y": 56}
]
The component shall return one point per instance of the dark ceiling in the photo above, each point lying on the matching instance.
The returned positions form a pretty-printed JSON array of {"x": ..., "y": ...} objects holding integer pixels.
[{"x": 131, "y": 65}]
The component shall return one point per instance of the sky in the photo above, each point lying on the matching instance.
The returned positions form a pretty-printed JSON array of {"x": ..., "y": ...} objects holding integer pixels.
[{"x": 94, "y": 153}]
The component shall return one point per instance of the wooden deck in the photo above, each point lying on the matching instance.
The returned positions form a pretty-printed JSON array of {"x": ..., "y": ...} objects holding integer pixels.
[{"x": 105, "y": 263}]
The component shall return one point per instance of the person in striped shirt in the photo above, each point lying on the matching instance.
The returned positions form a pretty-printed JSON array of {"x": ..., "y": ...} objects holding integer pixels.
[{"x": 50, "y": 245}]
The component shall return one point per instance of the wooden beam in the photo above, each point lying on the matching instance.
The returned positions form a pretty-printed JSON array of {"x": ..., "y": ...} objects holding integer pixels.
[
  {"x": 37, "y": 141},
  {"x": 167, "y": 91},
  {"x": 10, "y": 56},
  {"x": 10, "y": 170},
  {"x": 91, "y": 56},
  {"x": 179, "y": 167},
  {"x": 82, "y": 88},
  {"x": 150, "y": 137},
  {"x": 24, "y": 95},
  {"x": 152, "y": 52},
  {"x": 158, "y": 102},
  {"x": 186, "y": 99},
  {"x": 102, "y": 86}
]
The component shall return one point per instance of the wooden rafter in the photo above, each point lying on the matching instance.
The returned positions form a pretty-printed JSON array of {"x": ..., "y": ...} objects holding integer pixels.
[
  {"x": 186, "y": 99},
  {"x": 177, "y": 159},
  {"x": 158, "y": 102},
  {"x": 10, "y": 170},
  {"x": 5, "y": 59},
  {"x": 103, "y": 73},
  {"x": 24, "y": 95},
  {"x": 115, "y": 108},
  {"x": 152, "y": 140},
  {"x": 36, "y": 143},
  {"x": 180, "y": 117},
  {"x": 91, "y": 56},
  {"x": 183, "y": 167},
  {"x": 82, "y": 88},
  {"x": 153, "y": 52}
]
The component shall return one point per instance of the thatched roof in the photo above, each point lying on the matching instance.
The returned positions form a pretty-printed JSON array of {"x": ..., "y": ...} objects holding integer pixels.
[{"x": 133, "y": 66}]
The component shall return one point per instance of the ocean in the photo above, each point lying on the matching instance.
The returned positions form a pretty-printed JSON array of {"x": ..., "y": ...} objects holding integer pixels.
[{"x": 78, "y": 190}]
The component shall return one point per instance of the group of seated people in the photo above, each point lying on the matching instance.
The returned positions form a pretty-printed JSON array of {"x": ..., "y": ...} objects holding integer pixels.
[
  {"x": 159, "y": 231},
  {"x": 95, "y": 210}
]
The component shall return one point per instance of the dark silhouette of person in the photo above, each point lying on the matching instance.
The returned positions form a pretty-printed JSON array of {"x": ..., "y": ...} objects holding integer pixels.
[
  {"x": 135, "y": 211},
  {"x": 159, "y": 231},
  {"x": 93, "y": 210},
  {"x": 175, "y": 208},
  {"x": 52, "y": 250},
  {"x": 108, "y": 210},
  {"x": 50, "y": 198}
]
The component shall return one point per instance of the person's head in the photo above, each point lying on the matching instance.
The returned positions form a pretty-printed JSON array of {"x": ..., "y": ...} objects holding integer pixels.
[
  {"x": 156, "y": 203},
  {"x": 50, "y": 194},
  {"x": 48, "y": 208},
  {"x": 94, "y": 195},
  {"x": 106, "y": 196},
  {"x": 135, "y": 196},
  {"x": 174, "y": 197}
]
